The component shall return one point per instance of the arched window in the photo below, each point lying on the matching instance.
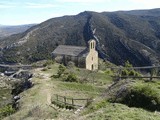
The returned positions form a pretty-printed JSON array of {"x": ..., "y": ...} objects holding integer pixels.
[{"x": 93, "y": 45}]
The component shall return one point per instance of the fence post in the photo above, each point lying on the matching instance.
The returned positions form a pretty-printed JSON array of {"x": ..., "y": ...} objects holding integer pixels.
[
  {"x": 151, "y": 74},
  {"x": 72, "y": 102},
  {"x": 57, "y": 97},
  {"x": 119, "y": 74},
  {"x": 65, "y": 100},
  {"x": 88, "y": 102},
  {"x": 151, "y": 78}
]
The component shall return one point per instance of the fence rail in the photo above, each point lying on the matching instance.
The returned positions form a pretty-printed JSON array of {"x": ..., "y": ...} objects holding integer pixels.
[
  {"x": 19, "y": 66},
  {"x": 71, "y": 101},
  {"x": 144, "y": 67},
  {"x": 124, "y": 77}
]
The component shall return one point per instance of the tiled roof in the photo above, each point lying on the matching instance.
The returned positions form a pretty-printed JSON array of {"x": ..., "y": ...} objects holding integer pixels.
[{"x": 71, "y": 50}]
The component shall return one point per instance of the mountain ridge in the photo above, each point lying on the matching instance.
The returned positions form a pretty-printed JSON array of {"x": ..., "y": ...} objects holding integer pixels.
[{"x": 120, "y": 36}]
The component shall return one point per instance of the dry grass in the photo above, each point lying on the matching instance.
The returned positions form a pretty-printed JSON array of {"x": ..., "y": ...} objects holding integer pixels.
[{"x": 34, "y": 102}]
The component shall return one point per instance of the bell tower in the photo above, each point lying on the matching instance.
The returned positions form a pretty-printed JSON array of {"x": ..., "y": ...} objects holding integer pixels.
[
  {"x": 92, "y": 57},
  {"x": 92, "y": 44}
]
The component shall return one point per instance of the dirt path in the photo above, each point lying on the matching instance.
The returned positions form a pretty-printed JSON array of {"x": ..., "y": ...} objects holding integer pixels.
[
  {"x": 45, "y": 88},
  {"x": 35, "y": 102}
]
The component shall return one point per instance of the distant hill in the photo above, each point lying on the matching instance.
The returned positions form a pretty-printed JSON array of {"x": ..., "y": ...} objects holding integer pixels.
[
  {"x": 152, "y": 12},
  {"x": 121, "y": 36},
  {"x": 9, "y": 30}
]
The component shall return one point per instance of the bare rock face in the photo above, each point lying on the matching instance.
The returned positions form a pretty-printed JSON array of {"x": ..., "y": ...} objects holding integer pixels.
[
  {"x": 6, "y": 86},
  {"x": 6, "y": 82},
  {"x": 23, "y": 75},
  {"x": 17, "y": 83}
]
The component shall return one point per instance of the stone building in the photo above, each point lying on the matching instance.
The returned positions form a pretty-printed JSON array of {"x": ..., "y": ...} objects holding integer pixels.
[{"x": 84, "y": 57}]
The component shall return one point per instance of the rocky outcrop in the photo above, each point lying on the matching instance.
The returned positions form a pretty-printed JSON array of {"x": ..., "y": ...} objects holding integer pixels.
[{"x": 22, "y": 75}]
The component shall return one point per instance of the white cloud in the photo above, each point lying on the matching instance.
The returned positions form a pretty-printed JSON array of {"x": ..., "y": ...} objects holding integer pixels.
[
  {"x": 84, "y": 1},
  {"x": 147, "y": 3},
  {"x": 25, "y": 5},
  {"x": 35, "y": 5},
  {"x": 7, "y": 4}
]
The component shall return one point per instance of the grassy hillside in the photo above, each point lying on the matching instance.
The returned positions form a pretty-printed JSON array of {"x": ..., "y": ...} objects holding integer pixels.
[
  {"x": 35, "y": 101},
  {"x": 120, "y": 36}
]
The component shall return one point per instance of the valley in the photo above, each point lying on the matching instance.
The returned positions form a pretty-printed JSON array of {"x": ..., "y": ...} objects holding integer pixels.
[{"x": 6, "y": 30}]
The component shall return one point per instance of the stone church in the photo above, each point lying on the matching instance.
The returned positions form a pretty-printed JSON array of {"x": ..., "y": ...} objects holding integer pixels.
[{"x": 84, "y": 57}]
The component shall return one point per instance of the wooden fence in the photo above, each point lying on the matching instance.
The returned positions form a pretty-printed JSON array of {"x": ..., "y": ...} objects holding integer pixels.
[
  {"x": 66, "y": 101},
  {"x": 138, "y": 68},
  {"x": 134, "y": 77},
  {"x": 153, "y": 70}
]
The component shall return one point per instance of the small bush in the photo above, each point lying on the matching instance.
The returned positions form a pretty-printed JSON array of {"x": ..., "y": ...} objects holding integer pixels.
[
  {"x": 34, "y": 65},
  {"x": 71, "y": 78},
  {"x": 44, "y": 69},
  {"x": 132, "y": 73},
  {"x": 138, "y": 74},
  {"x": 48, "y": 62},
  {"x": 6, "y": 111},
  {"x": 97, "y": 106},
  {"x": 124, "y": 73},
  {"x": 127, "y": 64},
  {"x": 55, "y": 76},
  {"x": 143, "y": 96},
  {"x": 129, "y": 72},
  {"x": 61, "y": 70},
  {"x": 109, "y": 72}
]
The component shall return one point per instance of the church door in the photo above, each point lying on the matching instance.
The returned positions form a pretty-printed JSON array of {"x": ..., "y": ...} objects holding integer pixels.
[{"x": 92, "y": 67}]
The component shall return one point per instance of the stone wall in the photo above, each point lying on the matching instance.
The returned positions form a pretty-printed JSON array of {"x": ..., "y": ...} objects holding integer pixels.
[
  {"x": 92, "y": 60},
  {"x": 65, "y": 59}
]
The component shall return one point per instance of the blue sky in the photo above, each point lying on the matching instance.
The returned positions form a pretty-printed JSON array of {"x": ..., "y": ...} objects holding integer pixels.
[{"x": 16, "y": 12}]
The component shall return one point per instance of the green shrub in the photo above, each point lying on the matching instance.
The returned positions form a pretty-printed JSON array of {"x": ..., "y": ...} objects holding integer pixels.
[
  {"x": 109, "y": 72},
  {"x": 34, "y": 65},
  {"x": 132, "y": 73},
  {"x": 138, "y": 74},
  {"x": 6, "y": 111},
  {"x": 143, "y": 96},
  {"x": 48, "y": 62},
  {"x": 129, "y": 72},
  {"x": 71, "y": 78},
  {"x": 49, "y": 67},
  {"x": 44, "y": 69},
  {"x": 61, "y": 70},
  {"x": 54, "y": 76},
  {"x": 127, "y": 64},
  {"x": 124, "y": 73},
  {"x": 95, "y": 107}
]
